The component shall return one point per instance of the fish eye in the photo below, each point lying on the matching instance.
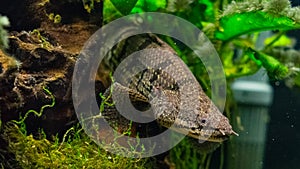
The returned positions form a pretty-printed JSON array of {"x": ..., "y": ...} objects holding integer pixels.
[{"x": 203, "y": 121}]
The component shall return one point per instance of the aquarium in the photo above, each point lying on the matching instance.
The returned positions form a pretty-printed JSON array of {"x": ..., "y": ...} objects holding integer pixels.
[{"x": 166, "y": 84}]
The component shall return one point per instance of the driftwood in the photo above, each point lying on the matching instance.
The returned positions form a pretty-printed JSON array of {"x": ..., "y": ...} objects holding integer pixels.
[{"x": 42, "y": 56}]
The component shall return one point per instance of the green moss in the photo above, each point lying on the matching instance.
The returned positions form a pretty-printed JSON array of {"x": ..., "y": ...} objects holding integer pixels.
[{"x": 76, "y": 150}]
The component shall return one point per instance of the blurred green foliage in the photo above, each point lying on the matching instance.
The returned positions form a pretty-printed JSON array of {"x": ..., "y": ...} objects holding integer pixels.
[
  {"x": 237, "y": 26},
  {"x": 124, "y": 6},
  {"x": 3, "y": 33},
  {"x": 234, "y": 27}
]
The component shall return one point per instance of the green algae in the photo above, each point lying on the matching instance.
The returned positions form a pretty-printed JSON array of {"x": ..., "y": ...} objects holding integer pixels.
[{"x": 76, "y": 151}]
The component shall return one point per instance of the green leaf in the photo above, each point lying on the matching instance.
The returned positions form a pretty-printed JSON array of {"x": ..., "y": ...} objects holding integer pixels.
[
  {"x": 110, "y": 12},
  {"x": 247, "y": 64},
  {"x": 297, "y": 80},
  {"x": 276, "y": 70},
  {"x": 209, "y": 9},
  {"x": 124, "y": 6},
  {"x": 149, "y": 5},
  {"x": 248, "y": 22},
  {"x": 281, "y": 41}
]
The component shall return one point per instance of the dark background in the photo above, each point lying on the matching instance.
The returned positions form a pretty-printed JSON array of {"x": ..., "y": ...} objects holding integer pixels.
[{"x": 283, "y": 139}]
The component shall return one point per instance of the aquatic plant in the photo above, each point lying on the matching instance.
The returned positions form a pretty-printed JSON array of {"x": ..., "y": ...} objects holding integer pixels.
[
  {"x": 74, "y": 150},
  {"x": 44, "y": 43},
  {"x": 56, "y": 18},
  {"x": 220, "y": 21},
  {"x": 3, "y": 33},
  {"x": 38, "y": 114},
  {"x": 89, "y": 5},
  {"x": 223, "y": 28}
]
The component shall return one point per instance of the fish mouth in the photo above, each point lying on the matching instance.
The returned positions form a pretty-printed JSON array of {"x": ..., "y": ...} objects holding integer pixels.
[
  {"x": 210, "y": 138},
  {"x": 211, "y": 135},
  {"x": 214, "y": 135}
]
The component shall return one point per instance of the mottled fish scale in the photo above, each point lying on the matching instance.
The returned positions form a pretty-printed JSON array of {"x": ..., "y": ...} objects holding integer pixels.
[{"x": 157, "y": 76}]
